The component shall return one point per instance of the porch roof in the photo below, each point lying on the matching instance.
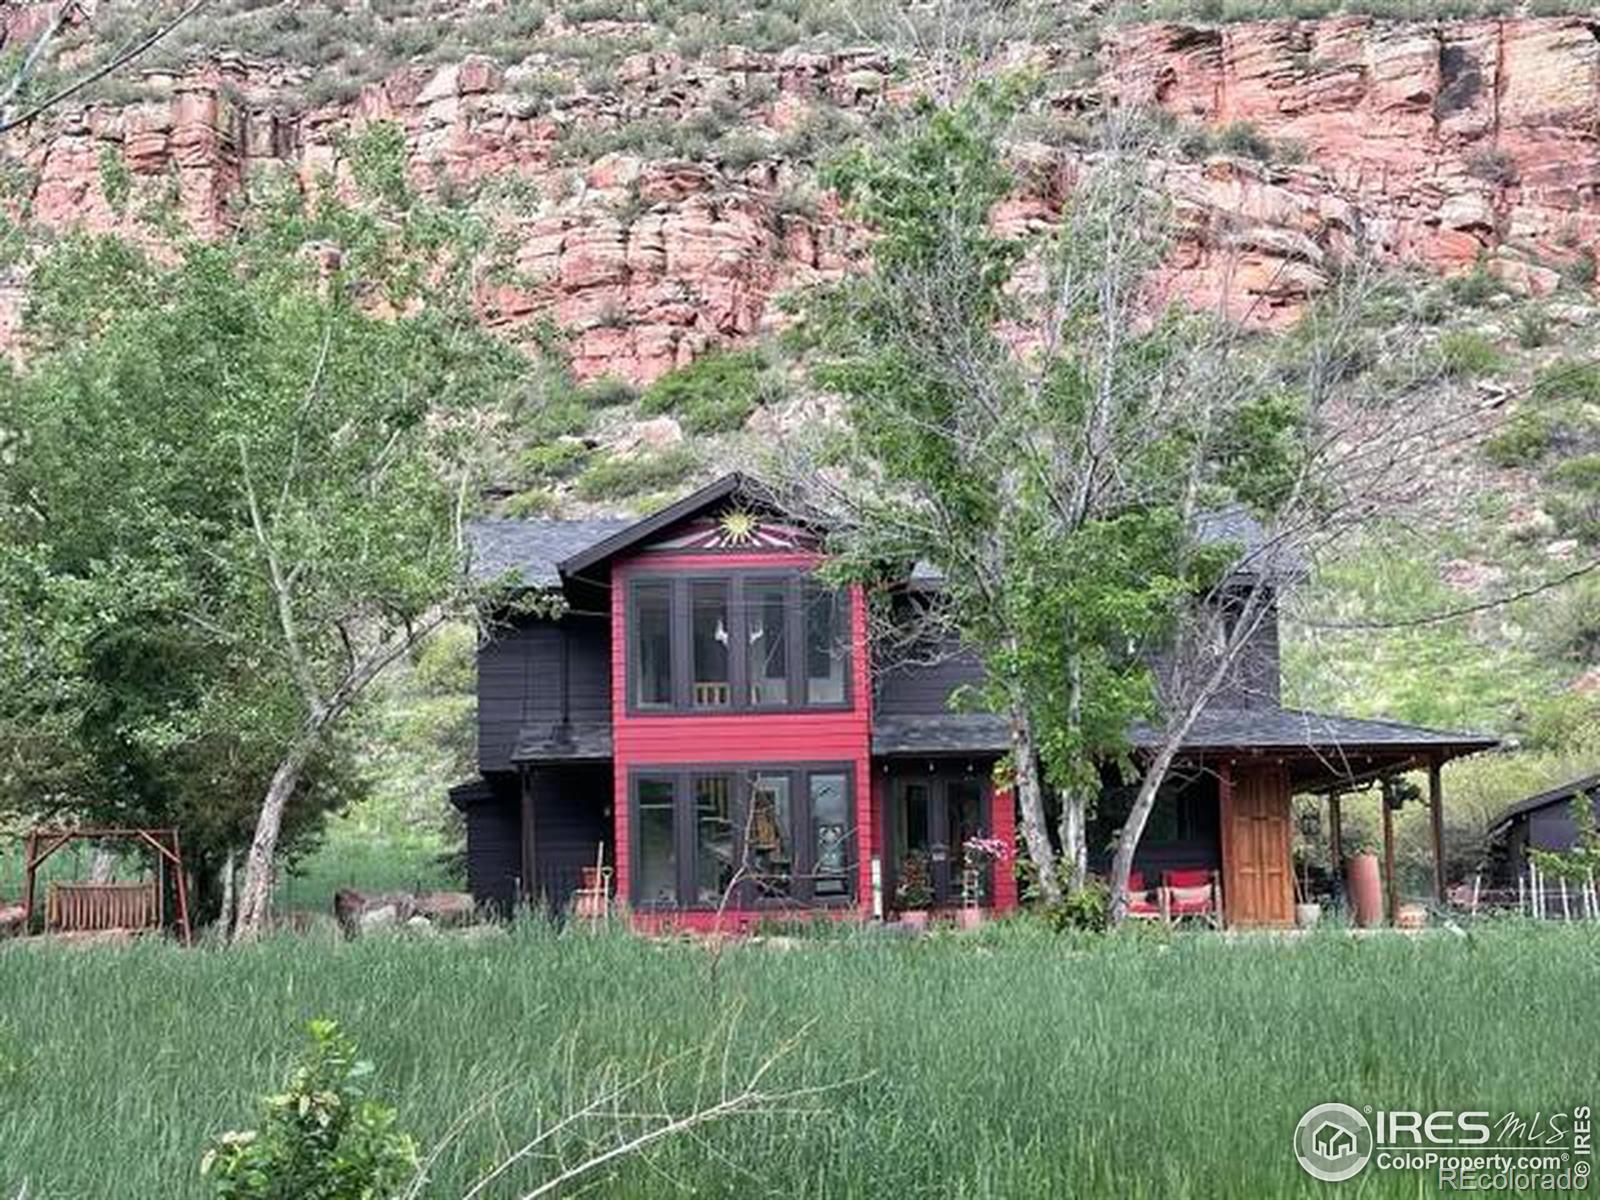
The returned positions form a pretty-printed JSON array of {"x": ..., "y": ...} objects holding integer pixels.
[{"x": 1286, "y": 730}]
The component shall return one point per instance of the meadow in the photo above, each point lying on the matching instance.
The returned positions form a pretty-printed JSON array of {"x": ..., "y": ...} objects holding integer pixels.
[{"x": 1006, "y": 1062}]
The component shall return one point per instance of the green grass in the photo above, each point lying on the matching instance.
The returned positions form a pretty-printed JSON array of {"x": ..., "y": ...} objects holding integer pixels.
[{"x": 1009, "y": 1063}]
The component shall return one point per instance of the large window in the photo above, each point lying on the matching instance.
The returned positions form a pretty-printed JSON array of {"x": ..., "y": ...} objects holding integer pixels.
[
  {"x": 652, "y": 645},
  {"x": 742, "y": 640},
  {"x": 743, "y": 837}
]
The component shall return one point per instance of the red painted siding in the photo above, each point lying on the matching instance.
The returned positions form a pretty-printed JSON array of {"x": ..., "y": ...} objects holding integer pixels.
[
  {"x": 643, "y": 740},
  {"x": 1003, "y": 815}
]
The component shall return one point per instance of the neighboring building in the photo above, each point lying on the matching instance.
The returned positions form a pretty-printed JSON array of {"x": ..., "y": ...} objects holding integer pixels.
[
  {"x": 1541, "y": 822},
  {"x": 710, "y": 721}
]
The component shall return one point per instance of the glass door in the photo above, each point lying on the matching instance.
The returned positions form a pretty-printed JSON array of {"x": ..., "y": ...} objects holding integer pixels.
[{"x": 930, "y": 820}]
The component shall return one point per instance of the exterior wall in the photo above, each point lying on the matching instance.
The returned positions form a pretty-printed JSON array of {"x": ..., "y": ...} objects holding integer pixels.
[
  {"x": 666, "y": 739},
  {"x": 494, "y": 845},
  {"x": 537, "y": 672},
  {"x": 571, "y": 819},
  {"x": 915, "y": 688}
]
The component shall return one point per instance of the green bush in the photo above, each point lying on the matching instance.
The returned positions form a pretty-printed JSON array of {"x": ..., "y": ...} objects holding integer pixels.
[
  {"x": 1532, "y": 328},
  {"x": 714, "y": 394},
  {"x": 322, "y": 1138},
  {"x": 613, "y": 478},
  {"x": 553, "y": 461},
  {"x": 1569, "y": 380},
  {"x": 1570, "y": 624},
  {"x": 1574, "y": 501},
  {"x": 607, "y": 392},
  {"x": 533, "y": 502},
  {"x": 1466, "y": 355},
  {"x": 1243, "y": 139},
  {"x": 562, "y": 416},
  {"x": 1493, "y": 166},
  {"x": 1523, "y": 441},
  {"x": 1087, "y": 909},
  {"x": 1472, "y": 289}
]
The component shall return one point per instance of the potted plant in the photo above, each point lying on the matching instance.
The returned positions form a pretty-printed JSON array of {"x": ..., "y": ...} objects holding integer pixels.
[
  {"x": 914, "y": 893},
  {"x": 1307, "y": 912},
  {"x": 979, "y": 854}
]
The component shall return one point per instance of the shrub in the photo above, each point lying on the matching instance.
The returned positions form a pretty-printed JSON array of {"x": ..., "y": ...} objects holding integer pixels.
[
  {"x": 1493, "y": 166},
  {"x": 1579, "y": 272},
  {"x": 553, "y": 461},
  {"x": 714, "y": 394},
  {"x": 1086, "y": 909},
  {"x": 534, "y": 502},
  {"x": 322, "y": 1137},
  {"x": 560, "y": 416},
  {"x": 1569, "y": 380},
  {"x": 1532, "y": 328},
  {"x": 1570, "y": 625},
  {"x": 1472, "y": 289},
  {"x": 1521, "y": 443},
  {"x": 1466, "y": 355},
  {"x": 613, "y": 478},
  {"x": 607, "y": 392},
  {"x": 1575, "y": 500},
  {"x": 1243, "y": 139}
]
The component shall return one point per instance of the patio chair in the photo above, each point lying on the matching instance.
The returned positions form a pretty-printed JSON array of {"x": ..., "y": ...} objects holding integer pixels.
[
  {"x": 1140, "y": 904},
  {"x": 1193, "y": 892}
]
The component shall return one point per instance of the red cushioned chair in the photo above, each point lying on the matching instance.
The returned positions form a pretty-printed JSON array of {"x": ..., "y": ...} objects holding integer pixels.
[
  {"x": 1193, "y": 893},
  {"x": 1140, "y": 904}
]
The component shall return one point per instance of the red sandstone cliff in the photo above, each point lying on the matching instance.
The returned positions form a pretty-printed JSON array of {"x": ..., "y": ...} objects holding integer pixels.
[{"x": 1436, "y": 144}]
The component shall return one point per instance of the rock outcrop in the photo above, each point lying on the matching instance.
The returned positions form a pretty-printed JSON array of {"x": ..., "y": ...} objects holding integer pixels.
[{"x": 1440, "y": 144}]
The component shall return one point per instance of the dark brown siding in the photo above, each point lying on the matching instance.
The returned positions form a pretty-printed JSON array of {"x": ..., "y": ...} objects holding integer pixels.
[
  {"x": 571, "y": 818},
  {"x": 917, "y": 687},
  {"x": 536, "y": 673},
  {"x": 494, "y": 847}
]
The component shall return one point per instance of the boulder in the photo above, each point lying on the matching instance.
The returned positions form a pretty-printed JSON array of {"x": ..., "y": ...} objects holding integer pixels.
[{"x": 10, "y": 920}]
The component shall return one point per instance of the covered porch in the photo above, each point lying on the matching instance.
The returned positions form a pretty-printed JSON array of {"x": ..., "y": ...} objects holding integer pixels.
[{"x": 1230, "y": 808}]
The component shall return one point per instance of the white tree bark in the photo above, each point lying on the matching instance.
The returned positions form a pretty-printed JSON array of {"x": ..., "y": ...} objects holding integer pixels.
[{"x": 1030, "y": 804}]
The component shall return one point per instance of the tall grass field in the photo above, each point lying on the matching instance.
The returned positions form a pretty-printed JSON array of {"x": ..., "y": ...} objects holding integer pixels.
[{"x": 1005, "y": 1062}]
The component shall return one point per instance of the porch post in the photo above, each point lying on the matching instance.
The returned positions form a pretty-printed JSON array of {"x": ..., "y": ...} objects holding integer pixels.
[
  {"x": 1225, "y": 814},
  {"x": 1436, "y": 814},
  {"x": 1335, "y": 835},
  {"x": 529, "y": 884},
  {"x": 1391, "y": 901}
]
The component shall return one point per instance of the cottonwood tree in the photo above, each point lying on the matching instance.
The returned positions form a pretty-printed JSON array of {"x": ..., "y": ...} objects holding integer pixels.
[
  {"x": 1020, "y": 413},
  {"x": 262, "y": 486}
]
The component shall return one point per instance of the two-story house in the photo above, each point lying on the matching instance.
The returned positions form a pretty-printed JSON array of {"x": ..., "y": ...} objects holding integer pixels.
[{"x": 696, "y": 711}]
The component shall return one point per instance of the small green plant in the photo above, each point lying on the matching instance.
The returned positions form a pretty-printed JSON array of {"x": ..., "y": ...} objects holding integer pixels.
[
  {"x": 534, "y": 502},
  {"x": 553, "y": 461},
  {"x": 1493, "y": 166},
  {"x": 714, "y": 394},
  {"x": 377, "y": 157},
  {"x": 1085, "y": 910},
  {"x": 1243, "y": 139},
  {"x": 1467, "y": 355},
  {"x": 1521, "y": 443},
  {"x": 322, "y": 1137},
  {"x": 1473, "y": 288},
  {"x": 116, "y": 181},
  {"x": 1532, "y": 328},
  {"x": 1579, "y": 271},
  {"x": 607, "y": 392},
  {"x": 915, "y": 888},
  {"x": 614, "y": 478}
]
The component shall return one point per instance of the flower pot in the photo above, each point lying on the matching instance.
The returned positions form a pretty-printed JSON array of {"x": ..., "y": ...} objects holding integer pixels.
[
  {"x": 1412, "y": 916},
  {"x": 1366, "y": 889},
  {"x": 969, "y": 918},
  {"x": 1307, "y": 915},
  {"x": 914, "y": 918}
]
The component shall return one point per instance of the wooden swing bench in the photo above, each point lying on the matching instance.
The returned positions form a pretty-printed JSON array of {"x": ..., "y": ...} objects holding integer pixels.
[{"x": 101, "y": 907}]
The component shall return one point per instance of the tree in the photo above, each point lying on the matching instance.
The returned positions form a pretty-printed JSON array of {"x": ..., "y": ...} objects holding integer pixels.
[
  {"x": 241, "y": 491},
  {"x": 1022, "y": 413}
]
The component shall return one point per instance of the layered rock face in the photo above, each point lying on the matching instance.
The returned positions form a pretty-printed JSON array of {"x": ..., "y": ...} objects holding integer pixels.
[
  {"x": 1433, "y": 144},
  {"x": 1436, "y": 144}
]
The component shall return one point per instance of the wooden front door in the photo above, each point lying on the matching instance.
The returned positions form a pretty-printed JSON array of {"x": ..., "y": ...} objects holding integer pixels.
[{"x": 1257, "y": 885}]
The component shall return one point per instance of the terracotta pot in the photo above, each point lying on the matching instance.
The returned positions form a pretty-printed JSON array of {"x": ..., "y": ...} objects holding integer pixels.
[
  {"x": 1366, "y": 889},
  {"x": 1306, "y": 916},
  {"x": 969, "y": 918},
  {"x": 1412, "y": 916},
  {"x": 916, "y": 918}
]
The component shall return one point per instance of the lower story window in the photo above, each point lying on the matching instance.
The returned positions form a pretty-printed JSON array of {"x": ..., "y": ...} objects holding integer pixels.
[{"x": 711, "y": 837}]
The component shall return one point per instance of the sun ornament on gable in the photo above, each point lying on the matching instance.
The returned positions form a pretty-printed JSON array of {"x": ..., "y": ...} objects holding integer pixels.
[{"x": 739, "y": 528}]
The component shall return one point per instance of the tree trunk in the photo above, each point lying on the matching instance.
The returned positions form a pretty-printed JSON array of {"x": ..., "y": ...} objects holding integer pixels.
[
  {"x": 226, "y": 885},
  {"x": 102, "y": 866},
  {"x": 255, "y": 895},
  {"x": 1030, "y": 803},
  {"x": 1133, "y": 827},
  {"x": 1075, "y": 838}
]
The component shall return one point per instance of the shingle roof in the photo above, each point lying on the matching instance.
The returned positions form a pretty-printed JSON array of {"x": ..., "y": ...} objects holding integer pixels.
[
  {"x": 529, "y": 550},
  {"x": 1555, "y": 795},
  {"x": 563, "y": 742},
  {"x": 1218, "y": 729}
]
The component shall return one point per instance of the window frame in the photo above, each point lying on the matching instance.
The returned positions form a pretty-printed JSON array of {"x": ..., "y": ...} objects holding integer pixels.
[
  {"x": 747, "y": 895},
  {"x": 680, "y": 590}
]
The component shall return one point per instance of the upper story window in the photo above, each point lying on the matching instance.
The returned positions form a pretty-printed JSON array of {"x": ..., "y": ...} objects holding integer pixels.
[{"x": 741, "y": 641}]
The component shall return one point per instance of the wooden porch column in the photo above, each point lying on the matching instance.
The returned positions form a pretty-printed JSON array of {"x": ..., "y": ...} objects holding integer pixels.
[
  {"x": 1390, "y": 901},
  {"x": 28, "y": 868},
  {"x": 1436, "y": 814},
  {"x": 1225, "y": 813},
  {"x": 529, "y": 884},
  {"x": 1335, "y": 836}
]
